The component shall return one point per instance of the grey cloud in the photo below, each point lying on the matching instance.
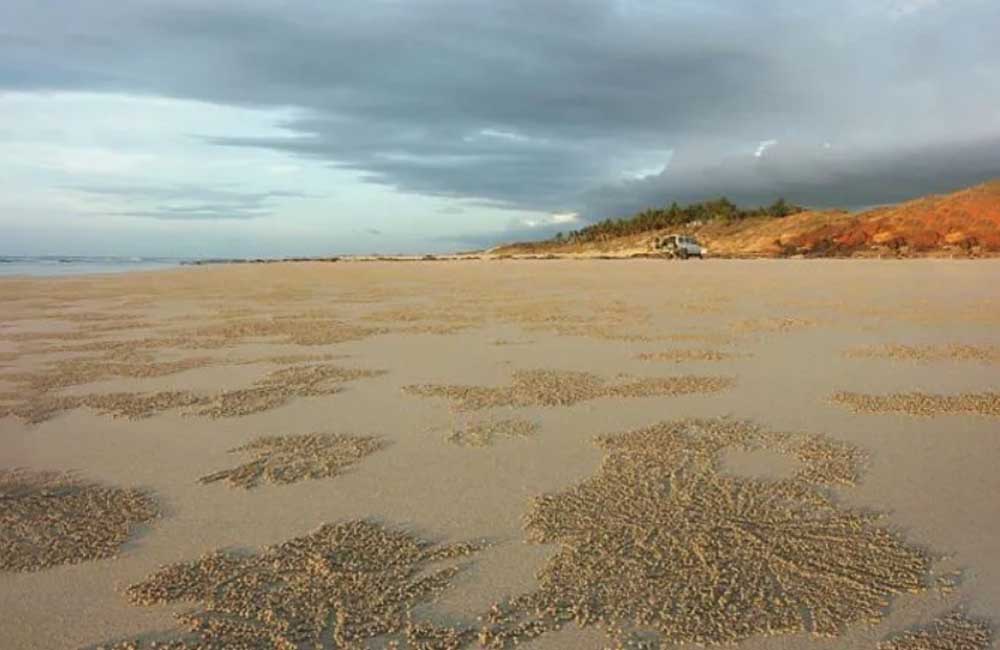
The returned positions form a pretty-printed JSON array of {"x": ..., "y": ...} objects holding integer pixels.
[
  {"x": 410, "y": 93},
  {"x": 196, "y": 212},
  {"x": 186, "y": 202},
  {"x": 815, "y": 176}
]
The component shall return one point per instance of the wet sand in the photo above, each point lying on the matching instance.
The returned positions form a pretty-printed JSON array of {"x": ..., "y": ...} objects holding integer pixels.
[{"x": 654, "y": 444}]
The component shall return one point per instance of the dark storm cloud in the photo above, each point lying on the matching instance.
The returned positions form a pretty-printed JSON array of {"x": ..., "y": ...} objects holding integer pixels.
[
  {"x": 545, "y": 105},
  {"x": 816, "y": 176},
  {"x": 188, "y": 202}
]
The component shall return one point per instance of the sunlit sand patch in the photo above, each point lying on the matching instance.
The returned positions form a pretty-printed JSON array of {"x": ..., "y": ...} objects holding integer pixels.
[
  {"x": 923, "y": 404},
  {"x": 952, "y": 632},
  {"x": 565, "y": 388},
  {"x": 663, "y": 541},
  {"x": 484, "y": 434},
  {"x": 289, "y": 459},
  {"x": 928, "y": 353},
  {"x": 680, "y": 356},
  {"x": 48, "y": 519},
  {"x": 339, "y": 587}
]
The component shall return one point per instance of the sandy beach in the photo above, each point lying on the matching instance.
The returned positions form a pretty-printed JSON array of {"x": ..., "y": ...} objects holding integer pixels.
[{"x": 550, "y": 454}]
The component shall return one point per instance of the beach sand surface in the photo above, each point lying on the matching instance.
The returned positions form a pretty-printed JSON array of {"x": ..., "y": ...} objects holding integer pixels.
[{"x": 768, "y": 342}]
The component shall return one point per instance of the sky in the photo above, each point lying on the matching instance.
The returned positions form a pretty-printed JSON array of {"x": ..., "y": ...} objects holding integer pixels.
[{"x": 253, "y": 128}]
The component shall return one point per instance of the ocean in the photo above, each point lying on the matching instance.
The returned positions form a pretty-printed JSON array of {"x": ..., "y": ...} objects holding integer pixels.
[{"x": 80, "y": 265}]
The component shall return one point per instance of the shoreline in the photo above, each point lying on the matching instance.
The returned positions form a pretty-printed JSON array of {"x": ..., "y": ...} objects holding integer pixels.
[
  {"x": 72, "y": 269},
  {"x": 485, "y": 260}
]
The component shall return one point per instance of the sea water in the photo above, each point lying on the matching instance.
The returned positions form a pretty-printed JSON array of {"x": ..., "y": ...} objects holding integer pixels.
[{"x": 80, "y": 265}]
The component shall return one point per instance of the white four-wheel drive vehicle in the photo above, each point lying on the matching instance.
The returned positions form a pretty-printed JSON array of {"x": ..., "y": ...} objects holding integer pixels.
[{"x": 682, "y": 246}]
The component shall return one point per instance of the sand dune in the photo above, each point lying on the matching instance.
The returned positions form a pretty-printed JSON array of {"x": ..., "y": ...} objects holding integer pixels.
[{"x": 960, "y": 224}]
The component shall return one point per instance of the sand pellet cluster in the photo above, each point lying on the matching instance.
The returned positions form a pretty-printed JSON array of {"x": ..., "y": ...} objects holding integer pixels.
[
  {"x": 565, "y": 388},
  {"x": 133, "y": 406},
  {"x": 441, "y": 314},
  {"x": 299, "y": 329},
  {"x": 772, "y": 325},
  {"x": 128, "y": 349},
  {"x": 280, "y": 387},
  {"x": 605, "y": 331},
  {"x": 928, "y": 353},
  {"x": 48, "y": 519},
  {"x": 610, "y": 320},
  {"x": 285, "y": 359},
  {"x": 922, "y": 404},
  {"x": 289, "y": 329},
  {"x": 88, "y": 332},
  {"x": 484, "y": 434},
  {"x": 682, "y": 355},
  {"x": 273, "y": 390},
  {"x": 97, "y": 317},
  {"x": 85, "y": 370},
  {"x": 337, "y": 587},
  {"x": 440, "y": 329},
  {"x": 662, "y": 541},
  {"x": 289, "y": 459},
  {"x": 133, "y": 364},
  {"x": 954, "y": 631}
]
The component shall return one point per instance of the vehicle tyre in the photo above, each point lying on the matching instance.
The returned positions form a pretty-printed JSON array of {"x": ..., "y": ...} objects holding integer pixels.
[{"x": 683, "y": 254}]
